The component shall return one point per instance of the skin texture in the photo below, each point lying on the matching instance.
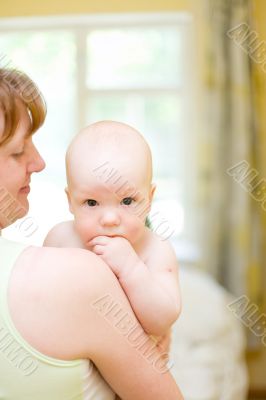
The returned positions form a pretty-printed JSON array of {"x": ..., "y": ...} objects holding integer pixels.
[
  {"x": 51, "y": 293},
  {"x": 107, "y": 189}
]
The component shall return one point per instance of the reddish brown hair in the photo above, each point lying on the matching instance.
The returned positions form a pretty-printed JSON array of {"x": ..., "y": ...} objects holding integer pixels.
[{"x": 18, "y": 90}]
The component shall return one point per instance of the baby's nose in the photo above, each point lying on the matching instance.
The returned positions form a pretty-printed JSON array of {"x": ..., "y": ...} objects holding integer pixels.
[{"x": 110, "y": 218}]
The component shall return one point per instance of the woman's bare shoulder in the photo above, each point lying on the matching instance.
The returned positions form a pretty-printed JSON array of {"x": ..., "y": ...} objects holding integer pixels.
[
  {"x": 52, "y": 288},
  {"x": 64, "y": 265}
]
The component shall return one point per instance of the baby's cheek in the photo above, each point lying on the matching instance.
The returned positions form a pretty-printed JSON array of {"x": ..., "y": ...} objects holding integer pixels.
[
  {"x": 84, "y": 229},
  {"x": 135, "y": 228}
]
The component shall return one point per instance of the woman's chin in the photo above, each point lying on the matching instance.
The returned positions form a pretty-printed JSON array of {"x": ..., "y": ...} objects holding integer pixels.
[
  {"x": 22, "y": 208},
  {"x": 13, "y": 211}
]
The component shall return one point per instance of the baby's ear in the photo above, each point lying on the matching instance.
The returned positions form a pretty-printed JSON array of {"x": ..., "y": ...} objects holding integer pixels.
[
  {"x": 152, "y": 190},
  {"x": 69, "y": 200}
]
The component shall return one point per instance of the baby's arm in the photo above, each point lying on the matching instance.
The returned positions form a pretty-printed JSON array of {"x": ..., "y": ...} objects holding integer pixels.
[
  {"x": 152, "y": 287},
  {"x": 62, "y": 235}
]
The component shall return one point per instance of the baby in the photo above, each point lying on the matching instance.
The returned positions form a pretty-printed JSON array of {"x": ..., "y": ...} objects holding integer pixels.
[{"x": 110, "y": 190}]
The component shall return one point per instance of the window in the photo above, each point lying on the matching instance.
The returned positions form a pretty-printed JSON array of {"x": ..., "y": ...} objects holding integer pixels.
[{"x": 133, "y": 69}]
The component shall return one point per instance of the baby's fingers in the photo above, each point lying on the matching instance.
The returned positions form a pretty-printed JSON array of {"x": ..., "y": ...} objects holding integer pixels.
[
  {"x": 99, "y": 240},
  {"x": 98, "y": 249}
]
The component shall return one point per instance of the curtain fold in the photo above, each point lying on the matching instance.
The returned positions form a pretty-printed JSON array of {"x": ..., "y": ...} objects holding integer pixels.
[{"x": 230, "y": 214}]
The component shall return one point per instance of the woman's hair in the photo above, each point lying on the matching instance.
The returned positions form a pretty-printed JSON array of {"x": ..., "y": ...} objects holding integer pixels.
[{"x": 18, "y": 90}]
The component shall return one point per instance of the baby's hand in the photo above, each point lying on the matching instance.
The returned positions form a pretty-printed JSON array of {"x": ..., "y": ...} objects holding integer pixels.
[{"x": 116, "y": 251}]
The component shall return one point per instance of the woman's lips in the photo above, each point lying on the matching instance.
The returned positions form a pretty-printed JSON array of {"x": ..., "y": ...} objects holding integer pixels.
[{"x": 25, "y": 189}]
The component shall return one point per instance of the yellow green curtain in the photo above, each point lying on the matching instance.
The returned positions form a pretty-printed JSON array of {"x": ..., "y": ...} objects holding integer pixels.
[
  {"x": 257, "y": 52},
  {"x": 231, "y": 146}
]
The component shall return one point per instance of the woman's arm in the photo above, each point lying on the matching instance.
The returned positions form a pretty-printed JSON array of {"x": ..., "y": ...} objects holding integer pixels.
[{"x": 62, "y": 235}]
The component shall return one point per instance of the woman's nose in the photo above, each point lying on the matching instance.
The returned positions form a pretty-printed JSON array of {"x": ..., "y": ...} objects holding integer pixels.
[
  {"x": 110, "y": 218},
  {"x": 36, "y": 162}
]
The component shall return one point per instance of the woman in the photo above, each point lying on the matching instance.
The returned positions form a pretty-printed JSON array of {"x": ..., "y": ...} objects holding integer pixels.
[{"x": 62, "y": 310}]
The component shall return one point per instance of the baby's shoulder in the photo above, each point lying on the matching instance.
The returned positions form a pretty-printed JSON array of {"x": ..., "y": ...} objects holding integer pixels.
[
  {"x": 157, "y": 241},
  {"x": 159, "y": 246},
  {"x": 161, "y": 255}
]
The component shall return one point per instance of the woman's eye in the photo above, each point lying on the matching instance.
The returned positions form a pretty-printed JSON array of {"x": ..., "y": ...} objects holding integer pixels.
[
  {"x": 127, "y": 201},
  {"x": 18, "y": 154},
  {"x": 91, "y": 203}
]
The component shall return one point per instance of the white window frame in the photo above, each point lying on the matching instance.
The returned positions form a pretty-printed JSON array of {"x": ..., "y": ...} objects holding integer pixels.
[{"x": 82, "y": 24}]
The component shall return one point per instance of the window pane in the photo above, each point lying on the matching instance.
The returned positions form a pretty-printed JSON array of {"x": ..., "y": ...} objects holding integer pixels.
[
  {"x": 158, "y": 117},
  {"x": 49, "y": 59},
  {"x": 118, "y": 60},
  {"x": 134, "y": 57}
]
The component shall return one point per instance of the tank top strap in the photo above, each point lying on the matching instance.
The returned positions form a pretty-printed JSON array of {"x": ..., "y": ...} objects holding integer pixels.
[{"x": 9, "y": 252}]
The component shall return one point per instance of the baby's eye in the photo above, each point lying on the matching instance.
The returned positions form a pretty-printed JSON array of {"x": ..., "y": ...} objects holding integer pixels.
[
  {"x": 91, "y": 203},
  {"x": 127, "y": 201}
]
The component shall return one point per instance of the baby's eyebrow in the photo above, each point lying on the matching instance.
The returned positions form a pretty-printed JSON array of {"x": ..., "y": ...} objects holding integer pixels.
[
  {"x": 129, "y": 192},
  {"x": 83, "y": 192}
]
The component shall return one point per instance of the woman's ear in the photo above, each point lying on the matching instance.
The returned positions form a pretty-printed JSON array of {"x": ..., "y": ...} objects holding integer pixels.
[{"x": 69, "y": 200}]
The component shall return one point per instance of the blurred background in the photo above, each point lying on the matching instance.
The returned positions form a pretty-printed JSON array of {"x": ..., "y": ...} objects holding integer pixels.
[{"x": 191, "y": 76}]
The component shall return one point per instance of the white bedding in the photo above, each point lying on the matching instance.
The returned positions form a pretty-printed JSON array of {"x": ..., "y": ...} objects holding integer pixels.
[{"x": 208, "y": 342}]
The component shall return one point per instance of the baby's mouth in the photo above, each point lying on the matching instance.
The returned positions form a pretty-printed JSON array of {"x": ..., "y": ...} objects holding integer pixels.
[{"x": 111, "y": 235}]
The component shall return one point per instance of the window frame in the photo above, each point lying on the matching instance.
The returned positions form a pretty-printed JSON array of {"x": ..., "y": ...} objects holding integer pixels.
[{"x": 82, "y": 24}]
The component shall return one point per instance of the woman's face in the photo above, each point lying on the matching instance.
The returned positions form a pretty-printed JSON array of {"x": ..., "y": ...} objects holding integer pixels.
[{"x": 19, "y": 158}]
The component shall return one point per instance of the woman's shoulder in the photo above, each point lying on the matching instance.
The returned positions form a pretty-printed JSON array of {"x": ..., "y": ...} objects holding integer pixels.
[
  {"x": 50, "y": 291},
  {"x": 59, "y": 277},
  {"x": 61, "y": 265}
]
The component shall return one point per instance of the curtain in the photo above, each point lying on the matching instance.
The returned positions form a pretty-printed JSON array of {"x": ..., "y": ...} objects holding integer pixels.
[{"x": 231, "y": 222}]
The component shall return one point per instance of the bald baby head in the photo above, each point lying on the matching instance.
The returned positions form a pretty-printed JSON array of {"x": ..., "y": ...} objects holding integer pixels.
[{"x": 115, "y": 143}]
